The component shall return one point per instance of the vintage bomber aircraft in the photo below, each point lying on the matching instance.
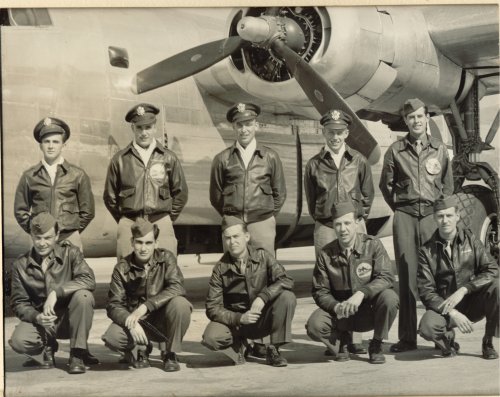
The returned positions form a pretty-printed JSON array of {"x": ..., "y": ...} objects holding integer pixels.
[{"x": 294, "y": 61}]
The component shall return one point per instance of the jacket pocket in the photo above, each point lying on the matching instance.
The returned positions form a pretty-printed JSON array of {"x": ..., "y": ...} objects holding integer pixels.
[
  {"x": 127, "y": 193},
  {"x": 164, "y": 193},
  {"x": 126, "y": 198},
  {"x": 402, "y": 189},
  {"x": 266, "y": 189},
  {"x": 69, "y": 216},
  {"x": 165, "y": 199},
  {"x": 266, "y": 200},
  {"x": 230, "y": 200}
]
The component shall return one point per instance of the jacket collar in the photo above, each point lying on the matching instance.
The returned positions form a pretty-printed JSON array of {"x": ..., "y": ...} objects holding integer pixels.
[
  {"x": 459, "y": 237},
  {"x": 409, "y": 140},
  {"x": 357, "y": 247},
  {"x": 158, "y": 257},
  {"x": 130, "y": 147},
  {"x": 64, "y": 165},
  {"x": 228, "y": 260},
  {"x": 259, "y": 149},
  {"x": 57, "y": 254},
  {"x": 347, "y": 154}
]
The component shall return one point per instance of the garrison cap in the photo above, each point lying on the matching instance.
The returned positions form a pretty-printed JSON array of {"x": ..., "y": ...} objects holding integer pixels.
[
  {"x": 51, "y": 125},
  {"x": 141, "y": 227},
  {"x": 142, "y": 114},
  {"x": 336, "y": 119},
  {"x": 229, "y": 220},
  {"x": 445, "y": 202},
  {"x": 343, "y": 208},
  {"x": 242, "y": 112},
  {"x": 411, "y": 105},
  {"x": 42, "y": 223}
]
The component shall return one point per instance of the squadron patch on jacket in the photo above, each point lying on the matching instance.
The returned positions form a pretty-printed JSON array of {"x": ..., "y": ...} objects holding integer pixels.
[
  {"x": 433, "y": 166},
  {"x": 157, "y": 173},
  {"x": 364, "y": 270}
]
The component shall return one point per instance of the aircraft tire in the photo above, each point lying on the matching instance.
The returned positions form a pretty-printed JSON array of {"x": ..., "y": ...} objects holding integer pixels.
[{"x": 478, "y": 213}]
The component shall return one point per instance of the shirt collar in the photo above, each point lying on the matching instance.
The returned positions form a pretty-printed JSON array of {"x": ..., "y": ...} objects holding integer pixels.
[
  {"x": 57, "y": 253},
  {"x": 459, "y": 237},
  {"x": 258, "y": 148},
  {"x": 250, "y": 147},
  {"x": 346, "y": 151},
  {"x": 141, "y": 149},
  {"x": 60, "y": 161}
]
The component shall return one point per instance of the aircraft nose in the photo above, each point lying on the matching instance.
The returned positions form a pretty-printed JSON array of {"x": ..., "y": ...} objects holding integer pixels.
[{"x": 253, "y": 29}]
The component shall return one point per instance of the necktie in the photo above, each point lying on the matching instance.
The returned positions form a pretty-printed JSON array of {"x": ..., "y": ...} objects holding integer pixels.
[
  {"x": 242, "y": 265},
  {"x": 45, "y": 264},
  {"x": 418, "y": 146},
  {"x": 348, "y": 252},
  {"x": 448, "y": 249}
]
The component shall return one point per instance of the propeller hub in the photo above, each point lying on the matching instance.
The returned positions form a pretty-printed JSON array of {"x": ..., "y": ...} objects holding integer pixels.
[{"x": 255, "y": 30}]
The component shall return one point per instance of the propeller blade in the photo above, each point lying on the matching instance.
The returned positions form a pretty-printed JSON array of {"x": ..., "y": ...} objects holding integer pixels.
[
  {"x": 493, "y": 130},
  {"x": 185, "y": 64},
  {"x": 324, "y": 98}
]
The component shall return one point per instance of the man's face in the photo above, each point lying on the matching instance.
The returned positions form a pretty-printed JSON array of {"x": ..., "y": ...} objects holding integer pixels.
[
  {"x": 335, "y": 138},
  {"x": 44, "y": 243},
  {"x": 51, "y": 147},
  {"x": 447, "y": 220},
  {"x": 144, "y": 247},
  {"x": 345, "y": 227},
  {"x": 417, "y": 122},
  {"x": 144, "y": 134},
  {"x": 236, "y": 240},
  {"x": 245, "y": 131}
]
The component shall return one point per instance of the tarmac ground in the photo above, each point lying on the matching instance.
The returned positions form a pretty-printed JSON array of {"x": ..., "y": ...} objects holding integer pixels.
[{"x": 206, "y": 373}]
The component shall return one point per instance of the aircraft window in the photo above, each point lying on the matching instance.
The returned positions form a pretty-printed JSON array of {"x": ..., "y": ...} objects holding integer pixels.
[{"x": 29, "y": 17}]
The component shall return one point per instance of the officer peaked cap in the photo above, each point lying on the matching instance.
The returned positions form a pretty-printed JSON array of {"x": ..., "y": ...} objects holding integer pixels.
[
  {"x": 242, "y": 112},
  {"x": 51, "y": 125},
  {"x": 229, "y": 220},
  {"x": 141, "y": 227},
  {"x": 343, "y": 208},
  {"x": 411, "y": 105},
  {"x": 142, "y": 114},
  {"x": 445, "y": 202},
  {"x": 336, "y": 119},
  {"x": 42, "y": 223}
]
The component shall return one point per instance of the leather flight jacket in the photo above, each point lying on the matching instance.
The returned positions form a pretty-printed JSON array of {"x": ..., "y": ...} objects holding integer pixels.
[
  {"x": 67, "y": 272},
  {"x": 131, "y": 285},
  {"x": 410, "y": 182},
  {"x": 439, "y": 276},
  {"x": 336, "y": 278},
  {"x": 326, "y": 185},
  {"x": 253, "y": 194},
  {"x": 70, "y": 200},
  {"x": 230, "y": 293},
  {"x": 152, "y": 191}
]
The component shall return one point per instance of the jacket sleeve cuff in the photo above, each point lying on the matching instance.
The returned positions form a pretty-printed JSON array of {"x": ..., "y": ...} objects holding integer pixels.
[
  {"x": 151, "y": 307},
  {"x": 59, "y": 292},
  {"x": 237, "y": 318},
  {"x": 469, "y": 287},
  {"x": 365, "y": 291},
  {"x": 264, "y": 296}
]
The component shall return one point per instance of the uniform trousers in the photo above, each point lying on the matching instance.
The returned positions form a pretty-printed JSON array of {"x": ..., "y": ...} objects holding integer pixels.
[
  {"x": 73, "y": 323},
  {"x": 475, "y": 306},
  {"x": 375, "y": 314},
  {"x": 73, "y": 237},
  {"x": 172, "y": 321},
  {"x": 409, "y": 233},
  {"x": 275, "y": 321},
  {"x": 263, "y": 234},
  {"x": 166, "y": 239}
]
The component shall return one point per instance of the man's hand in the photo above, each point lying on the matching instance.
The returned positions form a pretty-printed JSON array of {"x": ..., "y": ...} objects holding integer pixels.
[
  {"x": 50, "y": 302},
  {"x": 351, "y": 305},
  {"x": 461, "y": 321},
  {"x": 453, "y": 300},
  {"x": 135, "y": 316},
  {"x": 249, "y": 317},
  {"x": 46, "y": 321},
  {"x": 138, "y": 335},
  {"x": 339, "y": 310},
  {"x": 257, "y": 305}
]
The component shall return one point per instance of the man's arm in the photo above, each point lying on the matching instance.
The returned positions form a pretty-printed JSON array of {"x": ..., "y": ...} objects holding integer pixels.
[
  {"x": 387, "y": 178},
  {"x": 173, "y": 285},
  {"x": 117, "y": 298},
  {"x": 447, "y": 175},
  {"x": 310, "y": 188},
  {"x": 277, "y": 276},
  {"x": 111, "y": 190},
  {"x": 214, "y": 304},
  {"x": 485, "y": 269},
  {"x": 278, "y": 184},
  {"x": 426, "y": 283},
  {"x": 217, "y": 184},
  {"x": 366, "y": 187},
  {"x": 86, "y": 206},
  {"x": 83, "y": 275},
  {"x": 22, "y": 204},
  {"x": 321, "y": 291},
  {"x": 19, "y": 300},
  {"x": 178, "y": 188}
]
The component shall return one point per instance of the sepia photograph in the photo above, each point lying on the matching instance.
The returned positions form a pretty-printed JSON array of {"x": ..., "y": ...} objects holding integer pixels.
[{"x": 261, "y": 200}]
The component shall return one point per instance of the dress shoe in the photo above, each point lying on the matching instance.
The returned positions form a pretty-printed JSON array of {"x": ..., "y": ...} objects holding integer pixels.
[
  {"x": 489, "y": 352},
  {"x": 375, "y": 352},
  {"x": 76, "y": 365},
  {"x": 170, "y": 362},
  {"x": 89, "y": 358},
  {"x": 343, "y": 354},
  {"x": 403, "y": 346},
  {"x": 138, "y": 360},
  {"x": 258, "y": 350},
  {"x": 47, "y": 359},
  {"x": 356, "y": 348},
  {"x": 274, "y": 357}
]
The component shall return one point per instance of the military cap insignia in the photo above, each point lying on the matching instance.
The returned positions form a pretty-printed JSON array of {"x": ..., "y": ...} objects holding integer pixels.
[
  {"x": 241, "y": 107},
  {"x": 47, "y": 121},
  {"x": 335, "y": 115},
  {"x": 141, "y": 111}
]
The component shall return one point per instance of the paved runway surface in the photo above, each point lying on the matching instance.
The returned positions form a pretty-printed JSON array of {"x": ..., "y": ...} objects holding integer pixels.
[{"x": 206, "y": 373}]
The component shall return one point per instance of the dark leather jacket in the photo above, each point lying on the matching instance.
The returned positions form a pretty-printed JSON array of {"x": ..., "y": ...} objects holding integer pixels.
[
  {"x": 255, "y": 193},
  {"x": 336, "y": 278},
  {"x": 412, "y": 183},
  {"x": 325, "y": 184},
  {"x": 230, "y": 294},
  {"x": 133, "y": 189},
  {"x": 438, "y": 277},
  {"x": 131, "y": 286},
  {"x": 66, "y": 273},
  {"x": 70, "y": 200}
]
